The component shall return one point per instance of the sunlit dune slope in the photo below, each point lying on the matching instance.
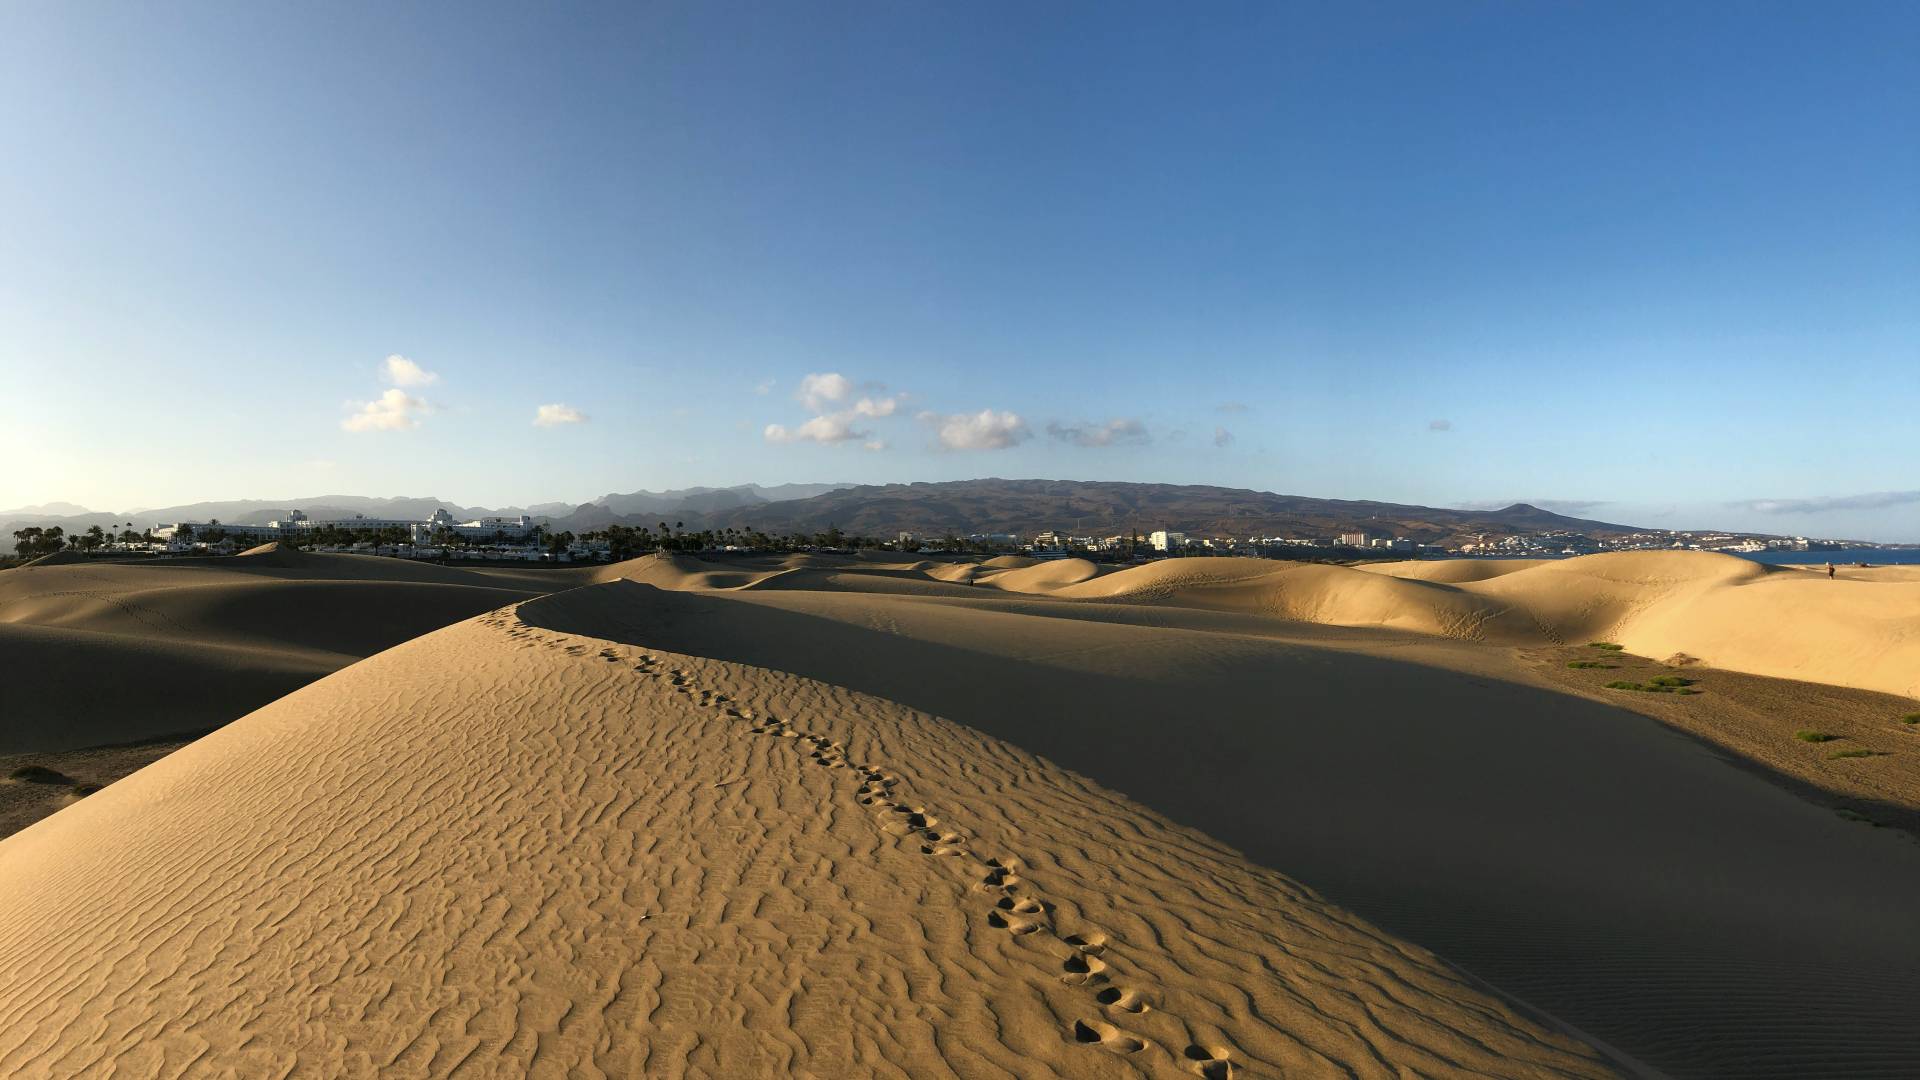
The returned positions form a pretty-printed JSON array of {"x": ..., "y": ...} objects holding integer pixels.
[
  {"x": 507, "y": 851},
  {"x": 1042, "y": 577},
  {"x": 1862, "y": 630}
]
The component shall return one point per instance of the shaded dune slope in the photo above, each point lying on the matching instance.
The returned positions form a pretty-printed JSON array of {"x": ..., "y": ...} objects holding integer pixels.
[
  {"x": 110, "y": 652},
  {"x": 506, "y": 850}
]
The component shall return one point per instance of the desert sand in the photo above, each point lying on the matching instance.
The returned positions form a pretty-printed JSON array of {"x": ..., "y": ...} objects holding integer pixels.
[
  {"x": 501, "y": 850},
  {"x": 845, "y": 817},
  {"x": 107, "y": 652}
]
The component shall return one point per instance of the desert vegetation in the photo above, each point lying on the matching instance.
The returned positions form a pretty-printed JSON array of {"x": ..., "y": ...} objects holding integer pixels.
[{"x": 1659, "y": 684}]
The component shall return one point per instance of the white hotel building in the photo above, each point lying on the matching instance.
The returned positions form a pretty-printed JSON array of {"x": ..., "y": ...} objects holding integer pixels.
[{"x": 421, "y": 532}]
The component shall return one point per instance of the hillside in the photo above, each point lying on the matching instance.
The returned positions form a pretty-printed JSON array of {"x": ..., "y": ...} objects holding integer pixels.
[
  {"x": 1101, "y": 508},
  {"x": 593, "y": 514}
]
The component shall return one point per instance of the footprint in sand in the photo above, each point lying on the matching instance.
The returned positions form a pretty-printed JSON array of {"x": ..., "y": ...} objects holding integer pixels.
[
  {"x": 1125, "y": 1000},
  {"x": 999, "y": 879},
  {"x": 1107, "y": 1037},
  {"x": 1082, "y": 969},
  {"x": 1212, "y": 1064},
  {"x": 939, "y": 843},
  {"x": 1012, "y": 924},
  {"x": 1093, "y": 941},
  {"x": 1016, "y": 914}
]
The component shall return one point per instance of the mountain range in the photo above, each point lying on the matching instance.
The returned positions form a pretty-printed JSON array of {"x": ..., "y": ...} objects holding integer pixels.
[
  {"x": 993, "y": 505},
  {"x": 1103, "y": 508},
  {"x": 605, "y": 509}
]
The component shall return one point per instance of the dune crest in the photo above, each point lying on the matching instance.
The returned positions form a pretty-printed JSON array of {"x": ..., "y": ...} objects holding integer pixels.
[{"x": 507, "y": 850}]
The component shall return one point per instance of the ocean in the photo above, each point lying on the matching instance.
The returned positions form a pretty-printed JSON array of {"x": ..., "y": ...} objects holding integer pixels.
[{"x": 1870, "y": 556}]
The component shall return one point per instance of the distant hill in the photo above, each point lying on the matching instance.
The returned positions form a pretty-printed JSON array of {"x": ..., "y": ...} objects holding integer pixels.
[
  {"x": 1080, "y": 507},
  {"x": 52, "y": 509},
  {"x": 589, "y": 515},
  {"x": 1102, "y": 508},
  {"x": 708, "y": 500},
  {"x": 244, "y": 512}
]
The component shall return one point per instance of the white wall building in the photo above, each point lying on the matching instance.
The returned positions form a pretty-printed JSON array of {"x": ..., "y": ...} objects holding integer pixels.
[
  {"x": 297, "y": 523},
  {"x": 1166, "y": 540}
]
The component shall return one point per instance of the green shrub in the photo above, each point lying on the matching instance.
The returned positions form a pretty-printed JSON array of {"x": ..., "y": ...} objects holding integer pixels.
[
  {"x": 40, "y": 774},
  {"x": 1665, "y": 684},
  {"x": 1911, "y": 718},
  {"x": 1607, "y": 645},
  {"x": 1856, "y": 752},
  {"x": 1590, "y": 664},
  {"x": 1810, "y": 735}
]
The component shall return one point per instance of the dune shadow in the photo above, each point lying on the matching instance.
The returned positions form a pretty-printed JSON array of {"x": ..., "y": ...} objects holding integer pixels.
[{"x": 1581, "y": 857}]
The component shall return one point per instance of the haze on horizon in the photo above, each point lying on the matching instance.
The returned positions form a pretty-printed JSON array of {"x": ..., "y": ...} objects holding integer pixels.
[{"x": 1631, "y": 262}]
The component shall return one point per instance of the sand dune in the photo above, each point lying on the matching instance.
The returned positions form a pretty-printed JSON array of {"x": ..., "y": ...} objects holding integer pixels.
[
  {"x": 1862, "y": 631},
  {"x": 108, "y": 652},
  {"x": 1042, "y": 577},
  {"x": 508, "y": 851},
  {"x": 1569, "y": 852},
  {"x": 782, "y": 816}
]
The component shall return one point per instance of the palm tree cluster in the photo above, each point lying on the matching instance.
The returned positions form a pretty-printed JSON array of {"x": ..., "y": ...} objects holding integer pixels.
[
  {"x": 34, "y": 541},
  {"x": 627, "y": 541}
]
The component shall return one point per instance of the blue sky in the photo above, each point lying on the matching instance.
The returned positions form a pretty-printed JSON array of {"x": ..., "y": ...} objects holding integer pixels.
[{"x": 1656, "y": 263}]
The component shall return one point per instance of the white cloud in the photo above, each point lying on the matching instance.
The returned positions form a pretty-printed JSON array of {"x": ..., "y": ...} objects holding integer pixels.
[
  {"x": 1818, "y": 504},
  {"x": 830, "y": 394},
  {"x": 765, "y": 386},
  {"x": 985, "y": 430},
  {"x": 818, "y": 391},
  {"x": 395, "y": 410},
  {"x": 1222, "y": 437},
  {"x": 1120, "y": 431},
  {"x": 1439, "y": 425},
  {"x": 556, "y": 414},
  {"x": 833, "y": 428},
  {"x": 404, "y": 372},
  {"x": 876, "y": 445}
]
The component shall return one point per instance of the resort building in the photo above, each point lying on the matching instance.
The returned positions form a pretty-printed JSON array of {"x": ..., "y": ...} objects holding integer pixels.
[{"x": 296, "y": 523}]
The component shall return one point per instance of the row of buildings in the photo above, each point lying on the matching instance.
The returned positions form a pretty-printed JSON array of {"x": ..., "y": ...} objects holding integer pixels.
[
  {"x": 1050, "y": 543},
  {"x": 435, "y": 529}
]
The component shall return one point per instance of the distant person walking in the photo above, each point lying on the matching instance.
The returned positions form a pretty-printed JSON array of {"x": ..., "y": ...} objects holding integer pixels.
[{"x": 1829, "y": 571}]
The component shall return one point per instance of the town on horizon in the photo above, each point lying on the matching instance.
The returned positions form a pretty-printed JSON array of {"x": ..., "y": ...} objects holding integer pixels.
[{"x": 442, "y": 535}]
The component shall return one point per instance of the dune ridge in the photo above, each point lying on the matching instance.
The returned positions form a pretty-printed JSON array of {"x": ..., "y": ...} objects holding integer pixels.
[
  {"x": 1862, "y": 630},
  {"x": 508, "y": 851},
  {"x": 1367, "y": 730}
]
